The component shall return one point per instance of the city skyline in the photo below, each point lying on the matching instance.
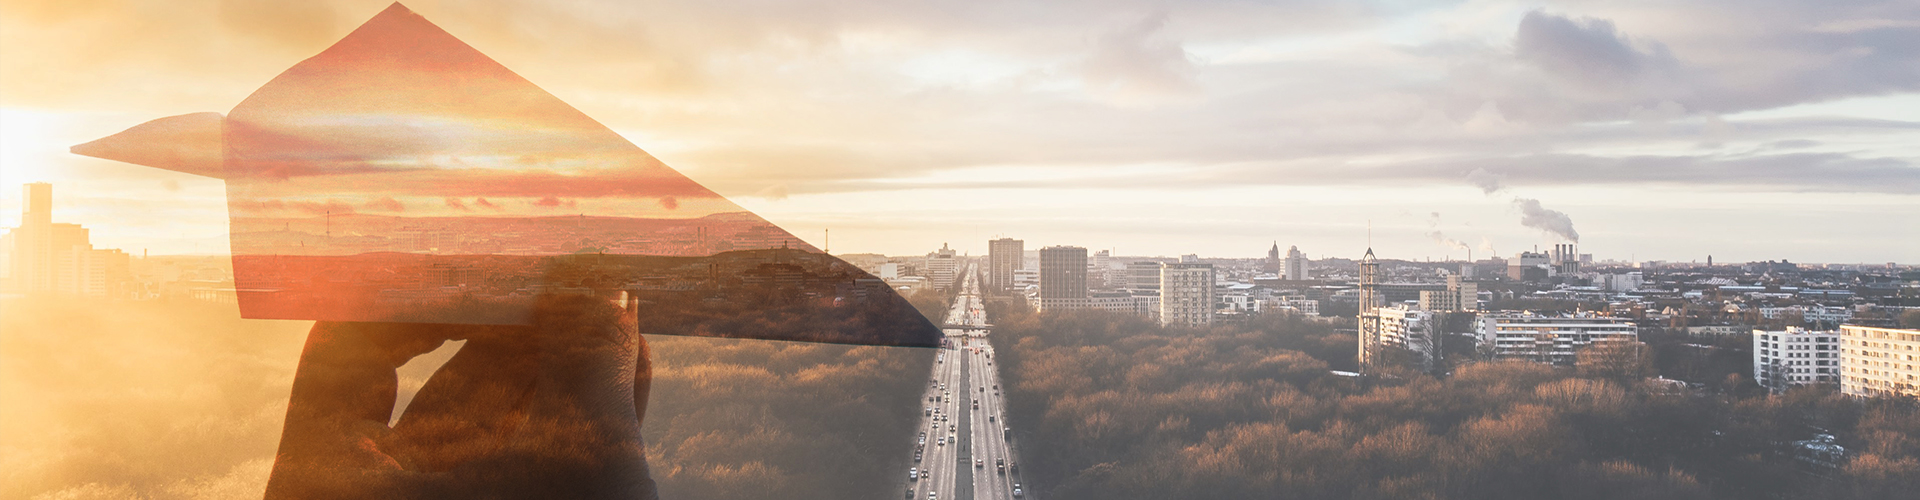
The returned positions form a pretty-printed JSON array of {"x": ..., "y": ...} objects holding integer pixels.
[{"x": 961, "y": 247}]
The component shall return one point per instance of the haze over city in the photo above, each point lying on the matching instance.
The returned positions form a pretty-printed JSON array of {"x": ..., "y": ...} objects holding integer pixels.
[{"x": 1784, "y": 132}]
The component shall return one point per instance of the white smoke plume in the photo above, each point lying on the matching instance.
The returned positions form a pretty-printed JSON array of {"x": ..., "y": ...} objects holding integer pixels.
[
  {"x": 1433, "y": 224},
  {"x": 1552, "y": 221}
]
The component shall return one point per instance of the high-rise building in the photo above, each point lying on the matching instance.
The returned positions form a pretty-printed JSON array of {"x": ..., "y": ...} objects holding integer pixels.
[
  {"x": 1063, "y": 278},
  {"x": 60, "y": 258},
  {"x": 1550, "y": 339},
  {"x": 1186, "y": 294},
  {"x": 1143, "y": 276},
  {"x": 1879, "y": 361},
  {"x": 940, "y": 265},
  {"x": 1296, "y": 264},
  {"x": 1795, "y": 356},
  {"x": 1004, "y": 256},
  {"x": 1273, "y": 260},
  {"x": 1368, "y": 317}
]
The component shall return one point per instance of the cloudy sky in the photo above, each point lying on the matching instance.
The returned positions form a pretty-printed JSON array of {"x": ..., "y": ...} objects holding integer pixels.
[{"x": 1745, "y": 130}]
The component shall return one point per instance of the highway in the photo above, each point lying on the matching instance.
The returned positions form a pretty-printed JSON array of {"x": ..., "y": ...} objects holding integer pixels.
[{"x": 963, "y": 406}]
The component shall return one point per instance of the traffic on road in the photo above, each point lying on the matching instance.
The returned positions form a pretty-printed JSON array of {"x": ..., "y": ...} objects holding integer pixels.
[{"x": 965, "y": 444}]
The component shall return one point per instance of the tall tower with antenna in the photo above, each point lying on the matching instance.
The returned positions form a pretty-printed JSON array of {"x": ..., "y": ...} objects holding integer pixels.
[{"x": 1369, "y": 308}]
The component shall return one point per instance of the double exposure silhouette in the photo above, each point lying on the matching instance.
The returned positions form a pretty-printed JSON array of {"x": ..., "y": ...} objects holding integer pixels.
[{"x": 404, "y": 190}]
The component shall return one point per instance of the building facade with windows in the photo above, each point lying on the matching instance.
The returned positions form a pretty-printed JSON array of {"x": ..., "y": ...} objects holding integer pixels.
[
  {"x": 1295, "y": 267},
  {"x": 1410, "y": 328},
  {"x": 1004, "y": 256},
  {"x": 1879, "y": 361},
  {"x": 1143, "y": 276},
  {"x": 940, "y": 267},
  {"x": 1186, "y": 294},
  {"x": 1795, "y": 356},
  {"x": 1063, "y": 278},
  {"x": 1549, "y": 339}
]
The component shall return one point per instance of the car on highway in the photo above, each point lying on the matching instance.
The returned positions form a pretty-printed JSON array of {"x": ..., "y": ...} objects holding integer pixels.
[
  {"x": 942, "y": 441},
  {"x": 909, "y": 493},
  {"x": 979, "y": 464},
  {"x": 913, "y": 474},
  {"x": 989, "y": 419},
  {"x": 1016, "y": 490},
  {"x": 929, "y": 411}
]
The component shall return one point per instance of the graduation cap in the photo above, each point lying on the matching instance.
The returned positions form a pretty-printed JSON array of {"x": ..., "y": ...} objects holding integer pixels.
[{"x": 402, "y": 176}]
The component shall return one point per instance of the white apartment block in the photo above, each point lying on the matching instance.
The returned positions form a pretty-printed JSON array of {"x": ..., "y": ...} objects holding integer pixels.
[
  {"x": 1408, "y": 327},
  {"x": 1147, "y": 304},
  {"x": 1186, "y": 294},
  {"x": 1298, "y": 305},
  {"x": 1240, "y": 302},
  {"x": 1550, "y": 339},
  {"x": 1879, "y": 361},
  {"x": 1023, "y": 278},
  {"x": 1795, "y": 356}
]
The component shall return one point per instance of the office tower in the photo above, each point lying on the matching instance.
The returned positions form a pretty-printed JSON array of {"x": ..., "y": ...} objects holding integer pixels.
[
  {"x": 1369, "y": 303},
  {"x": 1143, "y": 276},
  {"x": 1550, "y": 339},
  {"x": 1186, "y": 294},
  {"x": 1875, "y": 361},
  {"x": 60, "y": 258},
  {"x": 1004, "y": 256},
  {"x": 1063, "y": 278},
  {"x": 1296, "y": 264},
  {"x": 940, "y": 265},
  {"x": 1795, "y": 356},
  {"x": 32, "y": 266}
]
